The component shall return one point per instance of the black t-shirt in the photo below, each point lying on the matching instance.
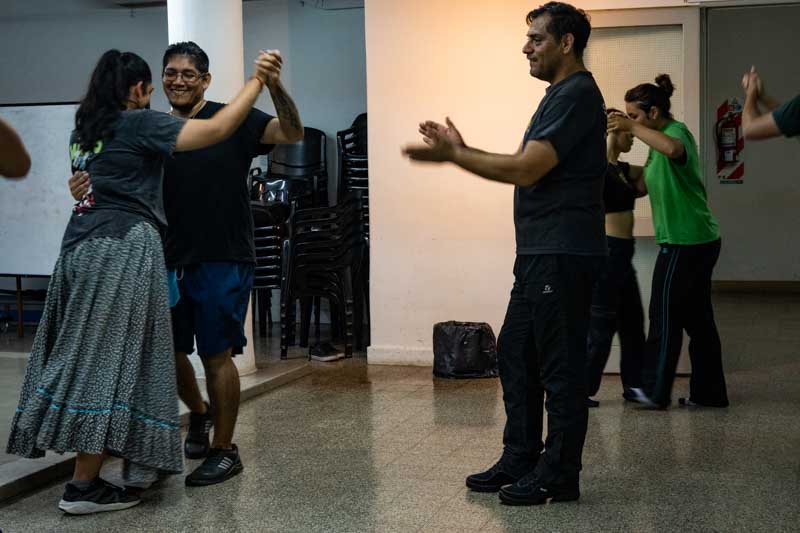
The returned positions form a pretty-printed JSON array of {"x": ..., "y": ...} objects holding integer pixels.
[
  {"x": 206, "y": 197},
  {"x": 787, "y": 117},
  {"x": 127, "y": 173},
  {"x": 563, "y": 212},
  {"x": 618, "y": 194}
]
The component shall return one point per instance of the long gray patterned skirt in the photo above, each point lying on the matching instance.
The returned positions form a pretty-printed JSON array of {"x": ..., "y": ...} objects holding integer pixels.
[{"x": 101, "y": 375}]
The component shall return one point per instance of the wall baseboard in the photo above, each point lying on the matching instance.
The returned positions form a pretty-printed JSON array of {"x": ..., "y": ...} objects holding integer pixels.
[
  {"x": 399, "y": 355},
  {"x": 772, "y": 287}
]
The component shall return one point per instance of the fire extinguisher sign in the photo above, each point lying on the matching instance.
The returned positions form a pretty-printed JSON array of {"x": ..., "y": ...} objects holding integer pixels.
[{"x": 730, "y": 142}]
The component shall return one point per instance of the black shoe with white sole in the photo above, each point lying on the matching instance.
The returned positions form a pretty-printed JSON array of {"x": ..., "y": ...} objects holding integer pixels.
[
  {"x": 197, "y": 444},
  {"x": 221, "y": 464},
  {"x": 99, "y": 497}
]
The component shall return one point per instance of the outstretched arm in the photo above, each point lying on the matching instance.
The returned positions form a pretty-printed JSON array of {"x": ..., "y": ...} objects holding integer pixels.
[
  {"x": 524, "y": 168},
  {"x": 14, "y": 159}
]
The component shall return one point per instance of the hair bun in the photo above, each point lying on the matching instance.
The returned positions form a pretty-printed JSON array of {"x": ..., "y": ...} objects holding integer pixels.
[{"x": 664, "y": 81}]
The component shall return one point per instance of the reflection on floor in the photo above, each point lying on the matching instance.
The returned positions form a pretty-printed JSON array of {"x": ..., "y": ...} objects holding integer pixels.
[{"x": 365, "y": 448}]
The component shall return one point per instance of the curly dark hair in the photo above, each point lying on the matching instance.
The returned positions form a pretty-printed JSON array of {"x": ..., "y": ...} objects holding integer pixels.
[
  {"x": 190, "y": 49},
  {"x": 648, "y": 95},
  {"x": 106, "y": 98},
  {"x": 564, "y": 19}
]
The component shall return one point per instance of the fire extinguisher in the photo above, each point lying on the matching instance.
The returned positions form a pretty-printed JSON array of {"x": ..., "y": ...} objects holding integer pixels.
[{"x": 729, "y": 134}]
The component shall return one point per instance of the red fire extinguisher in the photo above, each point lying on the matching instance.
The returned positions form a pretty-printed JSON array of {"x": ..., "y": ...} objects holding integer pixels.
[
  {"x": 728, "y": 134},
  {"x": 730, "y": 141}
]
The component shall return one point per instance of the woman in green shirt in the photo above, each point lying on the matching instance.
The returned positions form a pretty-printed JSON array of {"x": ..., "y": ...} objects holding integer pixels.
[{"x": 688, "y": 235}]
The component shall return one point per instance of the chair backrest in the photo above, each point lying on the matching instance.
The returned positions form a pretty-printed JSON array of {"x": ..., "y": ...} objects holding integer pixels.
[
  {"x": 303, "y": 158},
  {"x": 359, "y": 127}
]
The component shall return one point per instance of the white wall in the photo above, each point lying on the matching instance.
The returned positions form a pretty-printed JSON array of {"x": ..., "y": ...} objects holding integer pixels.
[
  {"x": 329, "y": 75},
  {"x": 50, "y": 58},
  {"x": 442, "y": 241},
  {"x": 758, "y": 219}
]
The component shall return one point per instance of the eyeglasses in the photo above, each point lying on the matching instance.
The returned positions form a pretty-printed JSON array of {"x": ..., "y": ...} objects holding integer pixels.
[{"x": 189, "y": 76}]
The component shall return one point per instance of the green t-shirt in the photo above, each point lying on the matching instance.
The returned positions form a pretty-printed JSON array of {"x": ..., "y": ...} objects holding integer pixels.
[
  {"x": 787, "y": 117},
  {"x": 677, "y": 194}
]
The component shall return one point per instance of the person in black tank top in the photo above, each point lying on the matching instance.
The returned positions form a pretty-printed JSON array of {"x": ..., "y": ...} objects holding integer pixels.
[{"x": 616, "y": 301}]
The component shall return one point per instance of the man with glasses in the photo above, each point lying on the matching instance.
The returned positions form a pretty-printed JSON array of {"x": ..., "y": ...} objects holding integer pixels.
[{"x": 209, "y": 243}]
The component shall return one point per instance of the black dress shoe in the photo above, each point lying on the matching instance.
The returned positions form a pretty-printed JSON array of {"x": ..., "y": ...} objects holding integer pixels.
[
  {"x": 197, "y": 443},
  {"x": 501, "y": 473},
  {"x": 688, "y": 402},
  {"x": 530, "y": 491},
  {"x": 592, "y": 403},
  {"x": 221, "y": 464}
]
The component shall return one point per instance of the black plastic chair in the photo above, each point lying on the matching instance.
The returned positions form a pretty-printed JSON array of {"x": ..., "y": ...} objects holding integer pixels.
[{"x": 305, "y": 163}]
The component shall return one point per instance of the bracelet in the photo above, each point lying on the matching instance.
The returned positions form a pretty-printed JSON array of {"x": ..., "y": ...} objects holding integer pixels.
[{"x": 263, "y": 85}]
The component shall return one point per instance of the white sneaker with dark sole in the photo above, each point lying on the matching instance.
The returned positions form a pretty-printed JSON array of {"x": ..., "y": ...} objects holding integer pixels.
[{"x": 99, "y": 497}]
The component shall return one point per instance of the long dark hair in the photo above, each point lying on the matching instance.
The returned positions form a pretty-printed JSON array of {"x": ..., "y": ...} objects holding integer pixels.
[
  {"x": 648, "y": 95},
  {"x": 108, "y": 92}
]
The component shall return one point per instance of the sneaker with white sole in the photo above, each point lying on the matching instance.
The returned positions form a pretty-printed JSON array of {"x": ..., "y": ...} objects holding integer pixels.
[
  {"x": 220, "y": 465},
  {"x": 101, "y": 496}
]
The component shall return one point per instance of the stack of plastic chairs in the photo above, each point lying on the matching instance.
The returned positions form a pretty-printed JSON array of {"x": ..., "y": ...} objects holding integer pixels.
[
  {"x": 270, "y": 207},
  {"x": 326, "y": 258},
  {"x": 353, "y": 163}
]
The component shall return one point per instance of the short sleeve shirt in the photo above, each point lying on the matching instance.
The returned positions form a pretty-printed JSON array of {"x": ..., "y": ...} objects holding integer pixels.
[
  {"x": 563, "y": 212},
  {"x": 677, "y": 194},
  {"x": 787, "y": 117},
  {"x": 127, "y": 173},
  {"x": 206, "y": 197}
]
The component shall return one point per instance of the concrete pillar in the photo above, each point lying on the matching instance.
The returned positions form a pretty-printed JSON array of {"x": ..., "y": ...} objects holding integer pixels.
[{"x": 216, "y": 26}]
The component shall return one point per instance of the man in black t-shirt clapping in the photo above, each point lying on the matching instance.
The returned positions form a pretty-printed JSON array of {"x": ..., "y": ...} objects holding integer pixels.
[
  {"x": 209, "y": 243},
  {"x": 558, "y": 174}
]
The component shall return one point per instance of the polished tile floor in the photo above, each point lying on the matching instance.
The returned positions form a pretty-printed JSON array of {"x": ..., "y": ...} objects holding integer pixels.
[{"x": 357, "y": 448}]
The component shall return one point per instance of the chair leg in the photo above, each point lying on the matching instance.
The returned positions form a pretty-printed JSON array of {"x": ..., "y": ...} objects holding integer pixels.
[
  {"x": 348, "y": 313},
  {"x": 335, "y": 320},
  {"x": 317, "y": 315},
  {"x": 268, "y": 293},
  {"x": 285, "y": 323},
  {"x": 305, "y": 320},
  {"x": 262, "y": 315}
]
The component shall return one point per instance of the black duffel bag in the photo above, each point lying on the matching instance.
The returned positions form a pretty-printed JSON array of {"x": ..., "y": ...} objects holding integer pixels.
[{"x": 464, "y": 350}]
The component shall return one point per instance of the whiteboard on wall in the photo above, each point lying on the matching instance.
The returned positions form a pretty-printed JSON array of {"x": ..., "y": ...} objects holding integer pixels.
[{"x": 34, "y": 211}]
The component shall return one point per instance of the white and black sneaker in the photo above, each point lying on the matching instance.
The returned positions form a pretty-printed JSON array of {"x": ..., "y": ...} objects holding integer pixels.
[
  {"x": 221, "y": 464},
  {"x": 99, "y": 497}
]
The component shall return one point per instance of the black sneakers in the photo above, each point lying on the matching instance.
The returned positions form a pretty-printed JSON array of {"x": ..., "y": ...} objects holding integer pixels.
[
  {"x": 501, "y": 473},
  {"x": 197, "y": 444},
  {"x": 220, "y": 465},
  {"x": 530, "y": 491},
  {"x": 99, "y": 497}
]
